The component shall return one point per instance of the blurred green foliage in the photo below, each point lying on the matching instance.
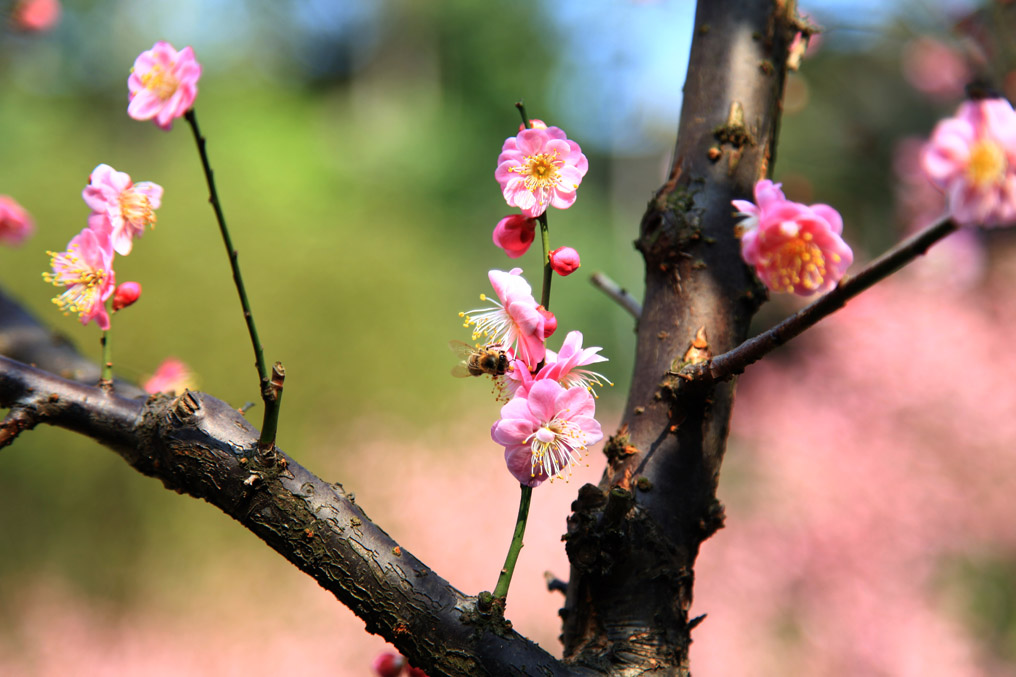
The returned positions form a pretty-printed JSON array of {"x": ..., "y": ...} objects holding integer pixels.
[{"x": 361, "y": 200}]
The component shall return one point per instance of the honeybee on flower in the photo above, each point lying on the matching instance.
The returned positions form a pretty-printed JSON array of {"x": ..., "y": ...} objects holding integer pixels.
[{"x": 491, "y": 359}]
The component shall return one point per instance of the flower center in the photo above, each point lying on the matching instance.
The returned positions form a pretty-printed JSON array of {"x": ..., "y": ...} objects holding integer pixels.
[
  {"x": 84, "y": 284},
  {"x": 136, "y": 208},
  {"x": 987, "y": 164},
  {"x": 799, "y": 262},
  {"x": 542, "y": 171},
  {"x": 556, "y": 447},
  {"x": 160, "y": 82}
]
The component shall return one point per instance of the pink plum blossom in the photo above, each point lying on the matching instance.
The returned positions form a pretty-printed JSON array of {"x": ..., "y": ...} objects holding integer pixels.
[
  {"x": 793, "y": 247},
  {"x": 564, "y": 261},
  {"x": 86, "y": 270},
  {"x": 972, "y": 158},
  {"x": 171, "y": 376},
  {"x": 15, "y": 223},
  {"x": 126, "y": 294},
  {"x": 767, "y": 194},
  {"x": 540, "y": 168},
  {"x": 163, "y": 84},
  {"x": 564, "y": 367},
  {"x": 514, "y": 234},
  {"x": 545, "y": 432},
  {"x": 120, "y": 207},
  {"x": 516, "y": 321}
]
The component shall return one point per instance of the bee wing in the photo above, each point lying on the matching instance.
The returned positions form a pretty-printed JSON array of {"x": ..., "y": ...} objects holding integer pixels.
[
  {"x": 460, "y": 370},
  {"x": 462, "y": 349}
]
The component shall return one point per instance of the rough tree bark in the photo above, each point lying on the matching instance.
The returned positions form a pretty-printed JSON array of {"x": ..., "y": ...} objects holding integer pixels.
[{"x": 632, "y": 541}]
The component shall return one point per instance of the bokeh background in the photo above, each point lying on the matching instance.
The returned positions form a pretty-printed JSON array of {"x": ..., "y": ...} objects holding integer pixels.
[{"x": 871, "y": 469}]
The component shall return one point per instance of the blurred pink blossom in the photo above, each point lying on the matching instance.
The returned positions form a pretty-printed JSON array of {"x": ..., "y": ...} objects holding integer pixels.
[
  {"x": 86, "y": 270},
  {"x": 126, "y": 294},
  {"x": 35, "y": 15},
  {"x": 564, "y": 261},
  {"x": 934, "y": 68},
  {"x": 516, "y": 321},
  {"x": 851, "y": 492},
  {"x": 15, "y": 223},
  {"x": 514, "y": 234},
  {"x": 120, "y": 207},
  {"x": 540, "y": 168},
  {"x": 546, "y": 431},
  {"x": 172, "y": 376},
  {"x": 956, "y": 262},
  {"x": 793, "y": 247},
  {"x": 163, "y": 84},
  {"x": 972, "y": 158}
]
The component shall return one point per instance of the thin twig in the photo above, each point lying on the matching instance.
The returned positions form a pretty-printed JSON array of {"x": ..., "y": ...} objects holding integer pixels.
[
  {"x": 271, "y": 414},
  {"x": 617, "y": 293},
  {"x": 735, "y": 361}
]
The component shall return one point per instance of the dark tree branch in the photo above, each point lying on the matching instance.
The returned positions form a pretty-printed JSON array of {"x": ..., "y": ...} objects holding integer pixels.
[
  {"x": 725, "y": 366},
  {"x": 199, "y": 445},
  {"x": 632, "y": 541}
]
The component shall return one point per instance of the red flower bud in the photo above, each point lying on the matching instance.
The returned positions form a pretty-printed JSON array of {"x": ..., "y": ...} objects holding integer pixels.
[
  {"x": 564, "y": 261},
  {"x": 389, "y": 664},
  {"x": 514, "y": 234},
  {"x": 126, "y": 293},
  {"x": 550, "y": 323}
]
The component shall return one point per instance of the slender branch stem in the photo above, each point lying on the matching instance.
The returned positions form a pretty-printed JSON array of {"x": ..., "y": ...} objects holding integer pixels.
[
  {"x": 248, "y": 316},
  {"x": 617, "y": 293},
  {"x": 505, "y": 579},
  {"x": 734, "y": 361},
  {"x": 269, "y": 395},
  {"x": 548, "y": 272},
  {"x": 525, "y": 117}
]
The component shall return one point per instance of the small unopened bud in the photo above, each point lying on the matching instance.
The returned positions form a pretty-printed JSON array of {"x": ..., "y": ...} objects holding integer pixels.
[
  {"x": 564, "y": 261},
  {"x": 514, "y": 234},
  {"x": 535, "y": 123},
  {"x": 126, "y": 294},
  {"x": 550, "y": 321},
  {"x": 389, "y": 664}
]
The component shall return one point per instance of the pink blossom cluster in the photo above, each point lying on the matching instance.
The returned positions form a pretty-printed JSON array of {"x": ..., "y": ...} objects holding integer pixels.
[
  {"x": 548, "y": 424},
  {"x": 972, "y": 159},
  {"x": 793, "y": 247},
  {"x": 16, "y": 224},
  {"x": 538, "y": 168},
  {"x": 120, "y": 211},
  {"x": 163, "y": 84}
]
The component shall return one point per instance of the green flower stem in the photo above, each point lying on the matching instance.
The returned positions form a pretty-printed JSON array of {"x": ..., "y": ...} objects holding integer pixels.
[
  {"x": 548, "y": 272},
  {"x": 522, "y": 111},
  {"x": 268, "y": 393},
  {"x": 106, "y": 376},
  {"x": 505, "y": 579}
]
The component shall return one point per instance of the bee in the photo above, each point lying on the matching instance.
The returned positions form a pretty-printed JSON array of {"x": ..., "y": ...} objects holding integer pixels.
[{"x": 479, "y": 360}]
